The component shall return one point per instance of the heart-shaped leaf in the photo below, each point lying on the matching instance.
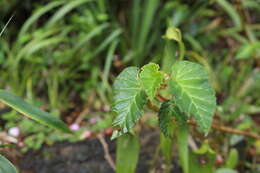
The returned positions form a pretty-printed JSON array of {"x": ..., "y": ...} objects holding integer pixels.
[
  {"x": 129, "y": 99},
  {"x": 193, "y": 93}
]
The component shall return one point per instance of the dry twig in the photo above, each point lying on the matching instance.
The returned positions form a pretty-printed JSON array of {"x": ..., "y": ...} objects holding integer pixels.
[
  {"x": 216, "y": 126},
  {"x": 106, "y": 151}
]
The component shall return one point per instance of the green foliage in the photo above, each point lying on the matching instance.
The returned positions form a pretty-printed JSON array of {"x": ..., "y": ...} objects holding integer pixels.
[
  {"x": 127, "y": 154},
  {"x": 202, "y": 163},
  {"x": 225, "y": 170},
  {"x": 32, "y": 112},
  {"x": 247, "y": 50},
  {"x": 67, "y": 50},
  {"x": 6, "y": 166},
  {"x": 151, "y": 79},
  {"x": 193, "y": 93},
  {"x": 189, "y": 84},
  {"x": 173, "y": 34},
  {"x": 182, "y": 134},
  {"x": 129, "y": 99},
  {"x": 166, "y": 116},
  {"x": 166, "y": 144},
  {"x": 232, "y": 159},
  {"x": 202, "y": 160}
]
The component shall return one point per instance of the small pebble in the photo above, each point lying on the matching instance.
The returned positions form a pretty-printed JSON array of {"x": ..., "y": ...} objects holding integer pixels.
[
  {"x": 74, "y": 127},
  {"x": 14, "y": 131},
  {"x": 86, "y": 134},
  {"x": 219, "y": 159}
]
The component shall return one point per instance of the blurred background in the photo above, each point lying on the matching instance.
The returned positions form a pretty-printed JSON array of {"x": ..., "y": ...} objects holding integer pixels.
[{"x": 63, "y": 56}]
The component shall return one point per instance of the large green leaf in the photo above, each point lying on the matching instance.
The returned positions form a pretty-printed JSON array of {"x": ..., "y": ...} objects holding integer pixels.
[
  {"x": 129, "y": 99},
  {"x": 127, "y": 153},
  {"x": 6, "y": 166},
  {"x": 151, "y": 79},
  {"x": 32, "y": 112},
  {"x": 193, "y": 93}
]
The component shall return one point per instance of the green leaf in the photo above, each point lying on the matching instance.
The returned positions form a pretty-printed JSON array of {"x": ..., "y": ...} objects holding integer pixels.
[
  {"x": 225, "y": 170},
  {"x": 193, "y": 93},
  {"x": 151, "y": 79},
  {"x": 202, "y": 163},
  {"x": 245, "y": 51},
  {"x": 173, "y": 33},
  {"x": 205, "y": 149},
  {"x": 166, "y": 117},
  {"x": 129, "y": 99},
  {"x": 232, "y": 159},
  {"x": 6, "y": 166},
  {"x": 166, "y": 148},
  {"x": 116, "y": 134},
  {"x": 182, "y": 133},
  {"x": 32, "y": 112},
  {"x": 167, "y": 114},
  {"x": 127, "y": 153}
]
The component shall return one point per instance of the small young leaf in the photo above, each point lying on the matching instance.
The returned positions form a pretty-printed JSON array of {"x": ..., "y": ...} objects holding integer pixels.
[
  {"x": 116, "y": 134},
  {"x": 32, "y": 112},
  {"x": 173, "y": 33},
  {"x": 193, "y": 93},
  {"x": 166, "y": 119},
  {"x": 232, "y": 159},
  {"x": 167, "y": 113},
  {"x": 151, "y": 79},
  {"x": 129, "y": 99},
  {"x": 205, "y": 149},
  {"x": 6, "y": 166}
]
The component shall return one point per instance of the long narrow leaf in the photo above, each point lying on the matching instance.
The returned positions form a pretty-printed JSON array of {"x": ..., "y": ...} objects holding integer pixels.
[
  {"x": 64, "y": 10},
  {"x": 32, "y": 112},
  {"x": 6, "y": 166},
  {"x": 37, "y": 15}
]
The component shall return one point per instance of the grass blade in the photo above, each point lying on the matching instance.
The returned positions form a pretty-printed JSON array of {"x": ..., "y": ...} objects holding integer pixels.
[
  {"x": 37, "y": 15},
  {"x": 231, "y": 12},
  {"x": 32, "y": 112},
  {"x": 64, "y": 10},
  {"x": 6, "y": 166}
]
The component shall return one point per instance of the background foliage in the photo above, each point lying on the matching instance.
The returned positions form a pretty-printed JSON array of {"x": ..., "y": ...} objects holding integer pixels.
[{"x": 63, "y": 55}]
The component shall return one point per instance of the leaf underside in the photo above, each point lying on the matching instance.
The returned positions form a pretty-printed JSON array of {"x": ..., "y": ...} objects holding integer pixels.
[
  {"x": 193, "y": 93},
  {"x": 151, "y": 79},
  {"x": 129, "y": 99}
]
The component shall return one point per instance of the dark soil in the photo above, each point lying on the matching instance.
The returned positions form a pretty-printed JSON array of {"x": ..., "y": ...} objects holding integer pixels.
[
  {"x": 81, "y": 157},
  {"x": 88, "y": 157}
]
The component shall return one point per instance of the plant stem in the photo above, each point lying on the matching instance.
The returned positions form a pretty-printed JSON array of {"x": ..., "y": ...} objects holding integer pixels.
[
  {"x": 181, "y": 49},
  {"x": 215, "y": 125}
]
